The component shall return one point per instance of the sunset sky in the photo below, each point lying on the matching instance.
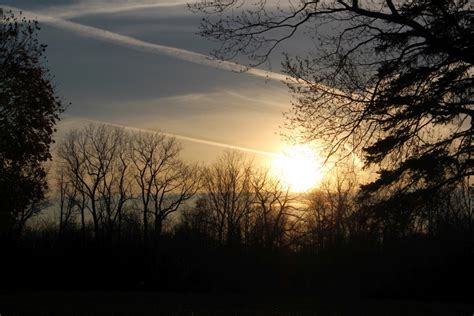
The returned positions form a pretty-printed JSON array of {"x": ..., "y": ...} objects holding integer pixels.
[
  {"x": 323, "y": 165},
  {"x": 143, "y": 66}
]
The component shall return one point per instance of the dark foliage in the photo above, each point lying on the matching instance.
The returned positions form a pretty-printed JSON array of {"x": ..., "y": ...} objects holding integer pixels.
[
  {"x": 28, "y": 112},
  {"x": 244, "y": 233},
  {"x": 391, "y": 80},
  {"x": 414, "y": 267}
]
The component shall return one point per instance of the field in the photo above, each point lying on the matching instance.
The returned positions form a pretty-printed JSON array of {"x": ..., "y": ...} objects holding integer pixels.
[{"x": 140, "y": 303}]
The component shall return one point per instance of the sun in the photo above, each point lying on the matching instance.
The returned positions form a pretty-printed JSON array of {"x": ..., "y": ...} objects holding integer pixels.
[{"x": 298, "y": 167}]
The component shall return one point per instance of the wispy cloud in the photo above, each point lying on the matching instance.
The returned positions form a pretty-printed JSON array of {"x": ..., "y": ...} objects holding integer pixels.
[
  {"x": 84, "y": 9},
  {"x": 139, "y": 45},
  {"x": 181, "y": 137}
]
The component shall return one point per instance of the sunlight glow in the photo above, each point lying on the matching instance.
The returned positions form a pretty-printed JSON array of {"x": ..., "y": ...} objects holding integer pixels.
[{"x": 298, "y": 167}]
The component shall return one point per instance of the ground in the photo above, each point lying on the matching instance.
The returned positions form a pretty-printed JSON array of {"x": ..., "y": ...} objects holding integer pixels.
[{"x": 140, "y": 303}]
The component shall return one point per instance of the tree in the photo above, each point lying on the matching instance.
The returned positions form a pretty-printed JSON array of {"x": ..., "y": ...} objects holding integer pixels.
[
  {"x": 275, "y": 211},
  {"x": 29, "y": 111},
  {"x": 228, "y": 196},
  {"x": 110, "y": 171},
  {"x": 95, "y": 160},
  {"x": 164, "y": 181},
  {"x": 391, "y": 81},
  {"x": 331, "y": 216},
  {"x": 68, "y": 199}
]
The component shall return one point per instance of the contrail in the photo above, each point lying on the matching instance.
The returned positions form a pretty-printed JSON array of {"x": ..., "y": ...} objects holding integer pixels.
[
  {"x": 75, "y": 11},
  {"x": 185, "y": 138},
  {"x": 139, "y": 45}
]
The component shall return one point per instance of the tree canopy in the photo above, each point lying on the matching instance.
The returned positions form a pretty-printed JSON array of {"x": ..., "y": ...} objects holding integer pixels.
[
  {"x": 29, "y": 111},
  {"x": 389, "y": 80}
]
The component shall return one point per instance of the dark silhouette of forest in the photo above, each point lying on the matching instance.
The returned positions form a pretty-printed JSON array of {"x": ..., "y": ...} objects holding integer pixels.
[{"x": 229, "y": 227}]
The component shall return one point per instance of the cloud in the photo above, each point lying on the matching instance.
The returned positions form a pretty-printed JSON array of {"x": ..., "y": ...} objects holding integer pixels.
[
  {"x": 258, "y": 99},
  {"x": 83, "y": 9},
  {"x": 177, "y": 136},
  {"x": 139, "y": 45}
]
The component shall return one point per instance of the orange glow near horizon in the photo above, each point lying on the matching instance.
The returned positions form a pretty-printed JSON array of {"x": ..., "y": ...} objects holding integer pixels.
[{"x": 298, "y": 167}]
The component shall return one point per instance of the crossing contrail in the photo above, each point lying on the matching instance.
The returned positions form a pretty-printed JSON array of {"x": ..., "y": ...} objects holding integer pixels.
[
  {"x": 139, "y": 45},
  {"x": 143, "y": 46},
  {"x": 132, "y": 43}
]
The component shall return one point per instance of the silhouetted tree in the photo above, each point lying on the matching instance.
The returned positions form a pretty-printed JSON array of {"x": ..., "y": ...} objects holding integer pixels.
[
  {"x": 391, "y": 78},
  {"x": 71, "y": 192},
  {"x": 228, "y": 196},
  {"x": 332, "y": 211},
  {"x": 197, "y": 221},
  {"x": 95, "y": 160},
  {"x": 68, "y": 198},
  {"x": 275, "y": 211},
  {"x": 165, "y": 182},
  {"x": 112, "y": 173},
  {"x": 28, "y": 112},
  {"x": 239, "y": 205}
]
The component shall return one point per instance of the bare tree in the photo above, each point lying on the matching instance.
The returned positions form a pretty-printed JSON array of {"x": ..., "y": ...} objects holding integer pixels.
[
  {"x": 68, "y": 196},
  {"x": 115, "y": 188},
  {"x": 332, "y": 215},
  {"x": 164, "y": 181},
  {"x": 198, "y": 220},
  {"x": 172, "y": 189},
  {"x": 94, "y": 158},
  {"x": 228, "y": 195},
  {"x": 148, "y": 161},
  {"x": 275, "y": 210},
  {"x": 24, "y": 216},
  {"x": 389, "y": 80}
]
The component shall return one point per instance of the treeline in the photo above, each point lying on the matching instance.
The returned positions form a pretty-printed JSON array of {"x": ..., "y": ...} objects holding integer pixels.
[
  {"x": 116, "y": 179},
  {"x": 110, "y": 183},
  {"x": 132, "y": 214}
]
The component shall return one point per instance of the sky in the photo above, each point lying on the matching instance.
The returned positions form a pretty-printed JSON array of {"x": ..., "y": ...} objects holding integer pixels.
[{"x": 140, "y": 64}]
